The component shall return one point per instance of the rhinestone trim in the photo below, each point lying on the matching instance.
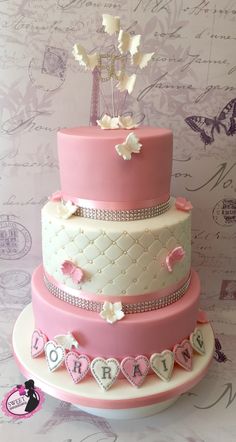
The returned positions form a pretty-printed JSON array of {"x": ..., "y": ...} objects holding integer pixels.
[
  {"x": 123, "y": 215},
  {"x": 139, "y": 307}
]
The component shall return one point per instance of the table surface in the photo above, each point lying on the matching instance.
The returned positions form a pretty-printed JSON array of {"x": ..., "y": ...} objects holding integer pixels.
[{"x": 204, "y": 414}]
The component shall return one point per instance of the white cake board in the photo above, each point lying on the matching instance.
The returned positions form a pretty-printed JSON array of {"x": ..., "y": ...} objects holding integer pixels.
[{"x": 122, "y": 401}]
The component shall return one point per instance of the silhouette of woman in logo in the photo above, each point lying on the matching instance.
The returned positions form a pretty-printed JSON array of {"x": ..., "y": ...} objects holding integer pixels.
[{"x": 32, "y": 395}]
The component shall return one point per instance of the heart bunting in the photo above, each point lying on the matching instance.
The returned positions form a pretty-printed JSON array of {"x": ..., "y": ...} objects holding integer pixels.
[
  {"x": 105, "y": 371},
  {"x": 183, "y": 354},
  {"x": 135, "y": 369},
  {"x": 38, "y": 342},
  {"x": 197, "y": 341},
  {"x": 77, "y": 365},
  {"x": 162, "y": 364},
  {"x": 55, "y": 355}
]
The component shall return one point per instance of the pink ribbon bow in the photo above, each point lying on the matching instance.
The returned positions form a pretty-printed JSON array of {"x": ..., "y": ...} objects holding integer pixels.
[{"x": 69, "y": 268}]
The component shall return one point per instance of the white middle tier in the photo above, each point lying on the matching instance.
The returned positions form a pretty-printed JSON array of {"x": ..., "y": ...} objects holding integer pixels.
[{"x": 118, "y": 258}]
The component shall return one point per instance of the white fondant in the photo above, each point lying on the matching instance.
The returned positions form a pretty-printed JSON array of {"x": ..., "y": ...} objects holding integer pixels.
[
  {"x": 108, "y": 122},
  {"x": 141, "y": 60},
  {"x": 105, "y": 371},
  {"x": 88, "y": 61},
  {"x": 55, "y": 355},
  {"x": 65, "y": 210},
  {"x": 162, "y": 364},
  {"x": 128, "y": 43},
  {"x": 118, "y": 258},
  {"x": 126, "y": 82},
  {"x": 111, "y": 23},
  {"x": 197, "y": 341},
  {"x": 129, "y": 146},
  {"x": 67, "y": 341},
  {"x": 60, "y": 382},
  {"x": 126, "y": 122}
]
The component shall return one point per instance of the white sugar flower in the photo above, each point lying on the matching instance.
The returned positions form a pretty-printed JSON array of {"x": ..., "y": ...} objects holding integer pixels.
[
  {"x": 65, "y": 211},
  {"x": 108, "y": 122},
  {"x": 127, "y": 122},
  {"x": 89, "y": 61},
  {"x": 112, "y": 312},
  {"x": 126, "y": 82},
  {"x": 130, "y": 145},
  {"x": 111, "y": 23}
]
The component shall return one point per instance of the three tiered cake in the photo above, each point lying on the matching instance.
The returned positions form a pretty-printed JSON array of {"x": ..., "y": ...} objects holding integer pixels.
[{"x": 116, "y": 316}]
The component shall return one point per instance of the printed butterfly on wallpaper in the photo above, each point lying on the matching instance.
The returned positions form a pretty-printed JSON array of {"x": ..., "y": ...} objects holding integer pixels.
[
  {"x": 207, "y": 126},
  {"x": 219, "y": 355}
]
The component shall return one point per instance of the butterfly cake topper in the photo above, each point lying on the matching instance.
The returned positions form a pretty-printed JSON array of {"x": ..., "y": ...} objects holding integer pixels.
[{"x": 115, "y": 66}]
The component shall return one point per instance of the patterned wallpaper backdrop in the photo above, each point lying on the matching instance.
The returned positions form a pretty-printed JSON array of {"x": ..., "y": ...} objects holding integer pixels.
[{"x": 42, "y": 89}]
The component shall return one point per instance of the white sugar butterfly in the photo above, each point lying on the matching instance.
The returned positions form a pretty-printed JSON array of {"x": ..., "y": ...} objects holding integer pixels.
[
  {"x": 140, "y": 59},
  {"x": 128, "y": 43},
  {"x": 129, "y": 146},
  {"x": 89, "y": 61},
  {"x": 111, "y": 23},
  {"x": 126, "y": 82}
]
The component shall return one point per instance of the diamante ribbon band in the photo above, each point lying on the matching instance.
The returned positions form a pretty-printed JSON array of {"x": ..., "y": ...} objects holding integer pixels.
[
  {"x": 128, "y": 308},
  {"x": 112, "y": 212},
  {"x": 123, "y": 215}
]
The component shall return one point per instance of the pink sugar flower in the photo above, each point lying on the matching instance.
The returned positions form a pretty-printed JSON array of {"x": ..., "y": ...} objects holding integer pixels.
[
  {"x": 182, "y": 204},
  {"x": 56, "y": 196}
]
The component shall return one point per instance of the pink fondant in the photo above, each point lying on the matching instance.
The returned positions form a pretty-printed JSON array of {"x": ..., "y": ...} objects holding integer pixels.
[
  {"x": 176, "y": 255},
  {"x": 184, "y": 354},
  {"x": 202, "y": 317},
  {"x": 56, "y": 196},
  {"x": 91, "y": 170},
  {"x": 182, "y": 204},
  {"x": 135, "y": 369},
  {"x": 124, "y": 299},
  {"x": 105, "y": 402},
  {"x": 146, "y": 333},
  {"x": 38, "y": 342},
  {"x": 75, "y": 272},
  {"x": 77, "y": 365}
]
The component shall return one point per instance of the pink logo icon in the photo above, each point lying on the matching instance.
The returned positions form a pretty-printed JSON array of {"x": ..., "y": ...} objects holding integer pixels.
[
  {"x": 69, "y": 268},
  {"x": 183, "y": 204},
  {"x": 135, "y": 369},
  {"x": 23, "y": 401},
  {"x": 38, "y": 342},
  {"x": 77, "y": 365},
  {"x": 177, "y": 254}
]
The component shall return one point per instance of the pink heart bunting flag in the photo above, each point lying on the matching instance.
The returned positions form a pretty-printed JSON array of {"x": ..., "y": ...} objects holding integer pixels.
[
  {"x": 38, "y": 342},
  {"x": 77, "y": 365},
  {"x": 135, "y": 369}
]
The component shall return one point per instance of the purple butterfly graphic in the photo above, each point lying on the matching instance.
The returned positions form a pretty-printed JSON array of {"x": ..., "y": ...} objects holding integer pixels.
[
  {"x": 206, "y": 126},
  {"x": 219, "y": 354}
]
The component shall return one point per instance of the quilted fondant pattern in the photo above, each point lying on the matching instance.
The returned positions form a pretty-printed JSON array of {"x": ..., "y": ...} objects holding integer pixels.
[{"x": 117, "y": 258}]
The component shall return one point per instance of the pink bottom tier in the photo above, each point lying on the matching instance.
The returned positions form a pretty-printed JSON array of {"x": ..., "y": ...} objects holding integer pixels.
[{"x": 141, "y": 333}]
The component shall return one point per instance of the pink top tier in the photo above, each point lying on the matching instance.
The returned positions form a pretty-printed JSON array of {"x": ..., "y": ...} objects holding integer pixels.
[{"x": 93, "y": 172}]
